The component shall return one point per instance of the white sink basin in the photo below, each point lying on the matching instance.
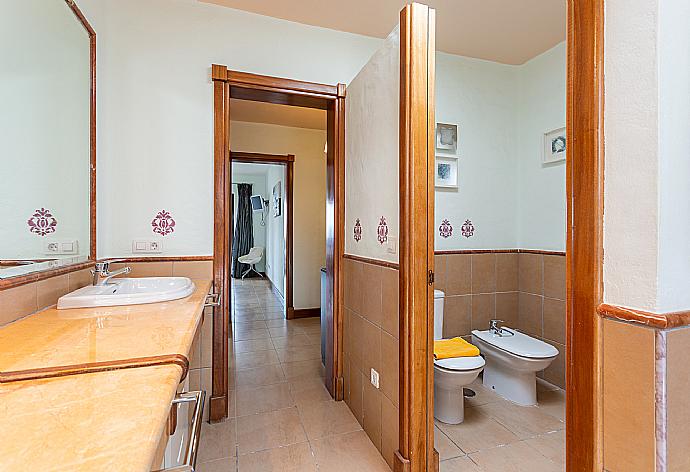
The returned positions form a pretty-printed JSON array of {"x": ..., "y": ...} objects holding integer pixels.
[{"x": 133, "y": 291}]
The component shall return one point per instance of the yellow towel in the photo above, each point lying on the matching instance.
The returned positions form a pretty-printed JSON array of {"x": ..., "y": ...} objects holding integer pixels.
[{"x": 455, "y": 347}]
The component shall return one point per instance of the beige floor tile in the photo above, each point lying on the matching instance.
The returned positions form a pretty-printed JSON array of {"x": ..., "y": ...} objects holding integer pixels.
[
  {"x": 350, "y": 451},
  {"x": 242, "y": 334},
  {"x": 553, "y": 403},
  {"x": 245, "y": 316},
  {"x": 479, "y": 431},
  {"x": 459, "y": 464},
  {"x": 314, "y": 338},
  {"x": 303, "y": 370},
  {"x": 294, "y": 458},
  {"x": 217, "y": 441},
  {"x": 445, "y": 447},
  {"x": 269, "y": 430},
  {"x": 551, "y": 446},
  {"x": 310, "y": 390},
  {"x": 283, "y": 331},
  {"x": 323, "y": 419},
  {"x": 253, "y": 345},
  {"x": 291, "y": 342},
  {"x": 263, "y": 399},
  {"x": 524, "y": 421},
  {"x": 221, "y": 465},
  {"x": 279, "y": 323},
  {"x": 250, "y": 360},
  {"x": 482, "y": 394},
  {"x": 297, "y": 354},
  {"x": 517, "y": 457},
  {"x": 264, "y": 375}
]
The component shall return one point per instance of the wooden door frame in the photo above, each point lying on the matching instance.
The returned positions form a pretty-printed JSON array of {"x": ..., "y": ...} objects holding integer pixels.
[
  {"x": 288, "y": 162},
  {"x": 584, "y": 246},
  {"x": 229, "y": 84}
]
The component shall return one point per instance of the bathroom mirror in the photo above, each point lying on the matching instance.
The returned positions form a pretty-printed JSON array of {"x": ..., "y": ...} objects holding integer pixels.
[{"x": 47, "y": 131}]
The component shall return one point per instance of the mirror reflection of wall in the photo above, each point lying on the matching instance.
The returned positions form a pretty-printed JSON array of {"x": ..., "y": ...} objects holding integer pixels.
[{"x": 45, "y": 91}]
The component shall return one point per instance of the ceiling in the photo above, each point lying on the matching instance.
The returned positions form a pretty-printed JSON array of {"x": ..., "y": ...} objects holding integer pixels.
[
  {"x": 506, "y": 31},
  {"x": 284, "y": 115}
]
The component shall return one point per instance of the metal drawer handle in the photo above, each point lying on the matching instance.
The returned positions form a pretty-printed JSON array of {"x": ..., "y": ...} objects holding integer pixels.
[
  {"x": 214, "y": 299},
  {"x": 195, "y": 433}
]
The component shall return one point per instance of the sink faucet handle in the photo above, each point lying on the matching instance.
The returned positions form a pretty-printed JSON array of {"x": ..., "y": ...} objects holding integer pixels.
[{"x": 494, "y": 325}]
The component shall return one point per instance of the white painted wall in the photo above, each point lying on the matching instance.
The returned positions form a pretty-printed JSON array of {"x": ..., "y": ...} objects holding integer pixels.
[
  {"x": 258, "y": 182},
  {"x": 371, "y": 153},
  {"x": 44, "y": 125},
  {"x": 275, "y": 231},
  {"x": 309, "y": 243},
  {"x": 512, "y": 199},
  {"x": 155, "y": 106}
]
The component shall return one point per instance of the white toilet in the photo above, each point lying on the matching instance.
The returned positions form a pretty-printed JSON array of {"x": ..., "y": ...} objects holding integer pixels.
[
  {"x": 451, "y": 375},
  {"x": 512, "y": 362}
]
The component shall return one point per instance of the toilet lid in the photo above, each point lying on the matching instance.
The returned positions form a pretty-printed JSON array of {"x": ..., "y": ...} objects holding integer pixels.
[
  {"x": 461, "y": 363},
  {"x": 519, "y": 344}
]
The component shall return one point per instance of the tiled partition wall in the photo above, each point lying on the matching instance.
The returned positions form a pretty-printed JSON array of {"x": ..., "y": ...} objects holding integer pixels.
[
  {"x": 524, "y": 289},
  {"x": 371, "y": 341}
]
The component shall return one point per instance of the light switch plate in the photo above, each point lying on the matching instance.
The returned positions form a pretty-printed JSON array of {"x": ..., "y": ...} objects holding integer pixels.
[
  {"x": 146, "y": 246},
  {"x": 374, "y": 378},
  {"x": 392, "y": 246}
]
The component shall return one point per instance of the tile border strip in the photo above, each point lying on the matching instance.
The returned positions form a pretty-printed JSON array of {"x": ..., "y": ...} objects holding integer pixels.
[{"x": 669, "y": 320}]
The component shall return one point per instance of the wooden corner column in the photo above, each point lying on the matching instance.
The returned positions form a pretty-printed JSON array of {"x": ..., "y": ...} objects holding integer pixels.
[
  {"x": 218, "y": 404},
  {"x": 417, "y": 50}
]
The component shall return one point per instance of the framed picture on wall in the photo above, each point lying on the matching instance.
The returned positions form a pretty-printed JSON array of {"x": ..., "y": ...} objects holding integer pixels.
[
  {"x": 446, "y": 172},
  {"x": 554, "y": 146},
  {"x": 276, "y": 200},
  {"x": 447, "y": 138}
]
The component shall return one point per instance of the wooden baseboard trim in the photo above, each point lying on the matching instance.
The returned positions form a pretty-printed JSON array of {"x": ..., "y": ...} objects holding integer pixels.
[
  {"x": 92, "y": 367},
  {"x": 400, "y": 464},
  {"x": 367, "y": 260},
  {"x": 218, "y": 409},
  {"x": 306, "y": 313},
  {"x": 676, "y": 319}
]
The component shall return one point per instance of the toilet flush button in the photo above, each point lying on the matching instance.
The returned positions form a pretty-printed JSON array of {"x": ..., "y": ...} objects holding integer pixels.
[{"x": 374, "y": 378}]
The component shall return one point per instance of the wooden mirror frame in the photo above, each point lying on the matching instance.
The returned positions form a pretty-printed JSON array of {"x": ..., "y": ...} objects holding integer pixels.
[{"x": 46, "y": 274}]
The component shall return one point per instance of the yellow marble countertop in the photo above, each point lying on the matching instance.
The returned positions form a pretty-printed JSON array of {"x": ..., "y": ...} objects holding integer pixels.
[{"x": 100, "y": 421}]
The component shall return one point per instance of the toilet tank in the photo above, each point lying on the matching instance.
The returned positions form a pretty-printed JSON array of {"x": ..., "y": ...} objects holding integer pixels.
[{"x": 438, "y": 313}]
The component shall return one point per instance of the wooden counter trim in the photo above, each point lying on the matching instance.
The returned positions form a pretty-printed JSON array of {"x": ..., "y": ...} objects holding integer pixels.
[
  {"x": 46, "y": 274},
  {"x": 675, "y": 319},
  {"x": 163, "y": 259},
  {"x": 499, "y": 251},
  {"x": 366, "y": 260},
  {"x": 92, "y": 367}
]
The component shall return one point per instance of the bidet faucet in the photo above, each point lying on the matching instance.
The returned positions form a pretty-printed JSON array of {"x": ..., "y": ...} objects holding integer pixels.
[
  {"x": 494, "y": 327},
  {"x": 102, "y": 275}
]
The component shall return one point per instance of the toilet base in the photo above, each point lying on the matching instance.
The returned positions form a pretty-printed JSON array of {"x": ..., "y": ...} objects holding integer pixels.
[
  {"x": 449, "y": 405},
  {"x": 517, "y": 386}
]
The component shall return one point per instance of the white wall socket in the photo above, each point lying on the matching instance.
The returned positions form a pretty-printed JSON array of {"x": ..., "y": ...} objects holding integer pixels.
[
  {"x": 54, "y": 248},
  {"x": 374, "y": 378},
  {"x": 146, "y": 246}
]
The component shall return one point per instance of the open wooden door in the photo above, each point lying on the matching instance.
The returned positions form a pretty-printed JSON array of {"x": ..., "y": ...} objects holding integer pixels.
[{"x": 388, "y": 253}]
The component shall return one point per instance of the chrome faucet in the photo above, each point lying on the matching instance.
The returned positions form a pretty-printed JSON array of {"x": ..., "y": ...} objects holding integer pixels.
[
  {"x": 495, "y": 328},
  {"x": 102, "y": 275}
]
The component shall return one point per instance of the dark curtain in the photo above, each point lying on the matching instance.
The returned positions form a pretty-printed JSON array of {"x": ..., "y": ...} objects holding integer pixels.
[{"x": 244, "y": 229}]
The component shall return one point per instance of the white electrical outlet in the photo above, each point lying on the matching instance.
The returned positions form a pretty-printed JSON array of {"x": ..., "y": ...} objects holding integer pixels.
[
  {"x": 146, "y": 246},
  {"x": 374, "y": 378},
  {"x": 61, "y": 247},
  {"x": 392, "y": 246}
]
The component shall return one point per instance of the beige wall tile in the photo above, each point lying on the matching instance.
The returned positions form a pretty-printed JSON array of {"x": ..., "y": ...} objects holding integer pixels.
[
  {"x": 483, "y": 273},
  {"x": 146, "y": 269},
  {"x": 555, "y": 373},
  {"x": 457, "y": 320},
  {"x": 79, "y": 279},
  {"x": 507, "y": 308},
  {"x": 440, "y": 272},
  {"x": 531, "y": 273},
  {"x": 530, "y": 314},
  {"x": 353, "y": 285},
  {"x": 371, "y": 348},
  {"x": 356, "y": 350},
  {"x": 372, "y": 413},
  {"x": 356, "y": 393},
  {"x": 390, "y": 300},
  {"x": 371, "y": 293},
  {"x": 18, "y": 302},
  {"x": 458, "y": 274},
  {"x": 49, "y": 290},
  {"x": 193, "y": 269},
  {"x": 629, "y": 415},
  {"x": 678, "y": 401},
  {"x": 390, "y": 367},
  {"x": 554, "y": 320},
  {"x": 483, "y": 310},
  {"x": 554, "y": 277},
  {"x": 506, "y": 272},
  {"x": 389, "y": 430}
]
